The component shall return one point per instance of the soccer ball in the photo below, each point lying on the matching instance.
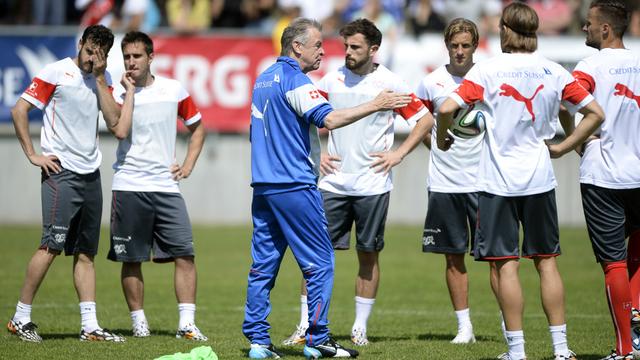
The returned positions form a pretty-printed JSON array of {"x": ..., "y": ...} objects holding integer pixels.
[{"x": 468, "y": 123}]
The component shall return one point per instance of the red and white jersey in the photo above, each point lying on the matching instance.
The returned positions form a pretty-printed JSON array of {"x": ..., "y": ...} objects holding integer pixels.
[
  {"x": 613, "y": 77},
  {"x": 455, "y": 170},
  {"x": 144, "y": 158},
  {"x": 522, "y": 93},
  {"x": 69, "y": 102},
  {"x": 355, "y": 142}
]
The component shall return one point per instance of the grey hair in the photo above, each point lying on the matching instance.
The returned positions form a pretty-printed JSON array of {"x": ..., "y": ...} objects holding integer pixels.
[{"x": 297, "y": 30}]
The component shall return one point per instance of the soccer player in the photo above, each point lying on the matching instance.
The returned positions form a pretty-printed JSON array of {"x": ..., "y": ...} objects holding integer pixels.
[
  {"x": 70, "y": 92},
  {"x": 287, "y": 206},
  {"x": 610, "y": 166},
  {"x": 453, "y": 200},
  {"x": 147, "y": 208},
  {"x": 357, "y": 182},
  {"x": 523, "y": 92}
]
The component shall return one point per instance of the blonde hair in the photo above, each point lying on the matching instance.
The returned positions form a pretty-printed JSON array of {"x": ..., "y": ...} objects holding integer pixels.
[
  {"x": 460, "y": 25},
  {"x": 518, "y": 26}
]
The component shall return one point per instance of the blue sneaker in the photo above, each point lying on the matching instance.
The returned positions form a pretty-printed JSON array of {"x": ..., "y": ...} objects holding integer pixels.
[
  {"x": 328, "y": 349},
  {"x": 259, "y": 351}
]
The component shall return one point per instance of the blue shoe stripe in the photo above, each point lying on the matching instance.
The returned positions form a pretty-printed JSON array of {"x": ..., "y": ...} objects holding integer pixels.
[{"x": 311, "y": 353}]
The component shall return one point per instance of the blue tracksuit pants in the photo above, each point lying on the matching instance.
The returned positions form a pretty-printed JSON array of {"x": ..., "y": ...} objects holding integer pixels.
[{"x": 295, "y": 219}]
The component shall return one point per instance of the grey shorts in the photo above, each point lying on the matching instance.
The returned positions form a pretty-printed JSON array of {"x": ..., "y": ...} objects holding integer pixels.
[
  {"x": 450, "y": 225},
  {"x": 499, "y": 218},
  {"x": 369, "y": 214},
  {"x": 611, "y": 215},
  {"x": 142, "y": 221},
  {"x": 71, "y": 212}
]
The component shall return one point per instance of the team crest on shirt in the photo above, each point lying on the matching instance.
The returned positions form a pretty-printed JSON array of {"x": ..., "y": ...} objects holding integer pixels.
[
  {"x": 32, "y": 89},
  {"x": 314, "y": 94},
  {"x": 510, "y": 91}
]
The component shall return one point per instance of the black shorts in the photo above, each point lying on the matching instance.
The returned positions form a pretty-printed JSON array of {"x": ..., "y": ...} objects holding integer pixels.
[
  {"x": 71, "y": 212},
  {"x": 369, "y": 214},
  {"x": 499, "y": 218},
  {"x": 611, "y": 215},
  {"x": 450, "y": 224},
  {"x": 142, "y": 221}
]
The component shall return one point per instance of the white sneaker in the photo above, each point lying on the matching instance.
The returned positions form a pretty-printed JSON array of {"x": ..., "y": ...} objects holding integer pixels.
[
  {"x": 505, "y": 356},
  {"x": 141, "y": 329},
  {"x": 298, "y": 336},
  {"x": 464, "y": 336},
  {"x": 191, "y": 332},
  {"x": 615, "y": 356},
  {"x": 569, "y": 356},
  {"x": 359, "y": 337}
]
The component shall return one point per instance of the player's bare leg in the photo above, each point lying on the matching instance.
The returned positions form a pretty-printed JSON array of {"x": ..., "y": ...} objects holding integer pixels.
[
  {"x": 493, "y": 281},
  {"x": 552, "y": 294},
  {"x": 84, "y": 279},
  {"x": 36, "y": 271},
  {"x": 133, "y": 288},
  {"x": 458, "y": 284},
  {"x": 551, "y": 289},
  {"x": 185, "y": 284},
  {"x": 21, "y": 323},
  {"x": 133, "y": 285},
  {"x": 366, "y": 289},
  {"x": 511, "y": 302}
]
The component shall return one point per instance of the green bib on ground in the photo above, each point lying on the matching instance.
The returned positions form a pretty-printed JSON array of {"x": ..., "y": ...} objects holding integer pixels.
[{"x": 199, "y": 353}]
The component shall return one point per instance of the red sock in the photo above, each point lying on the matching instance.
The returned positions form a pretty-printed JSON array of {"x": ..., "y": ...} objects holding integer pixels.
[
  {"x": 633, "y": 264},
  {"x": 616, "y": 280}
]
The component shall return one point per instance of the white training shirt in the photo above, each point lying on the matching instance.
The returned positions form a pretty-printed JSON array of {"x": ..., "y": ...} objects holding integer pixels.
[
  {"x": 454, "y": 170},
  {"x": 522, "y": 93},
  {"x": 374, "y": 133},
  {"x": 69, "y": 102},
  {"x": 613, "y": 77},
  {"x": 144, "y": 158}
]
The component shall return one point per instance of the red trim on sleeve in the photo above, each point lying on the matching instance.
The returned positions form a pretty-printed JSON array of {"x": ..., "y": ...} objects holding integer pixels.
[
  {"x": 40, "y": 90},
  {"x": 428, "y": 104},
  {"x": 470, "y": 92},
  {"x": 574, "y": 93},
  {"x": 412, "y": 108},
  {"x": 187, "y": 108},
  {"x": 324, "y": 94},
  {"x": 587, "y": 81}
]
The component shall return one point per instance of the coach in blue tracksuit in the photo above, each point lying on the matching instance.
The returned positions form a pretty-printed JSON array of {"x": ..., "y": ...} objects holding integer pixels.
[{"x": 287, "y": 206}]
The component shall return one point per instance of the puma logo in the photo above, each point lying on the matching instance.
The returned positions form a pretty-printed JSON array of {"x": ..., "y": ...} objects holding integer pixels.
[
  {"x": 508, "y": 90},
  {"x": 623, "y": 90}
]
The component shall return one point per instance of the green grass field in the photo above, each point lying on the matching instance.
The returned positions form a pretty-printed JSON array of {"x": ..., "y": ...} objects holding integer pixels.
[{"x": 412, "y": 318}]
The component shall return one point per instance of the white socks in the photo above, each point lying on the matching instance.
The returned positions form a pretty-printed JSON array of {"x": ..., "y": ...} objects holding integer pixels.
[
  {"x": 515, "y": 342},
  {"x": 23, "y": 313},
  {"x": 88, "y": 316},
  {"x": 304, "y": 312},
  {"x": 464, "y": 320},
  {"x": 363, "y": 310},
  {"x": 187, "y": 314},
  {"x": 559, "y": 339},
  {"x": 137, "y": 317}
]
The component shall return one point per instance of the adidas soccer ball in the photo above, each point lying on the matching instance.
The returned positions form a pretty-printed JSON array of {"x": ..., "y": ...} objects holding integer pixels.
[{"x": 468, "y": 123}]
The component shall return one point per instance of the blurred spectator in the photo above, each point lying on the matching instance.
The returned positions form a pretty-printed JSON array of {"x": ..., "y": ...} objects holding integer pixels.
[
  {"x": 189, "y": 16},
  {"x": 94, "y": 11},
  {"x": 485, "y": 13},
  {"x": 14, "y": 11},
  {"x": 634, "y": 25},
  {"x": 121, "y": 15},
  {"x": 386, "y": 23},
  {"x": 243, "y": 13},
  {"x": 395, "y": 8},
  {"x": 555, "y": 16},
  {"x": 49, "y": 12},
  {"x": 422, "y": 18}
]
